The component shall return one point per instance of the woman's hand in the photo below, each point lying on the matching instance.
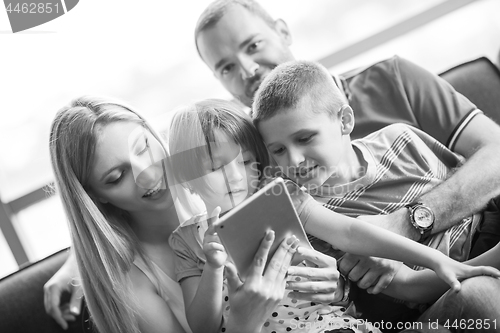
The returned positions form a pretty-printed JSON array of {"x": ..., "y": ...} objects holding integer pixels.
[
  {"x": 323, "y": 279},
  {"x": 65, "y": 280},
  {"x": 212, "y": 248},
  {"x": 254, "y": 300}
]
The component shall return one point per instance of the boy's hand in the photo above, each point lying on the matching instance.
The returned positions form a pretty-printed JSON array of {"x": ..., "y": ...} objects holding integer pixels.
[
  {"x": 323, "y": 279},
  {"x": 452, "y": 272},
  {"x": 371, "y": 273},
  {"x": 212, "y": 248}
]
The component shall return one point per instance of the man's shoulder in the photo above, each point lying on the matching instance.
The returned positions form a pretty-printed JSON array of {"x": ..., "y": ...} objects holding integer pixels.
[{"x": 389, "y": 65}]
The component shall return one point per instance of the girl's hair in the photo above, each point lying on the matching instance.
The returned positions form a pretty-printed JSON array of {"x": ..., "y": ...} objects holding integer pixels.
[
  {"x": 193, "y": 128},
  {"x": 103, "y": 242}
]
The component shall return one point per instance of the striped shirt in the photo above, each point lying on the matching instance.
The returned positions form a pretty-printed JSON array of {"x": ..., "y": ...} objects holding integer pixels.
[{"x": 402, "y": 163}]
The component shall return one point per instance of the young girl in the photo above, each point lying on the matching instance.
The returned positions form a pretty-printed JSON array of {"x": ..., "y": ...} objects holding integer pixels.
[{"x": 218, "y": 154}]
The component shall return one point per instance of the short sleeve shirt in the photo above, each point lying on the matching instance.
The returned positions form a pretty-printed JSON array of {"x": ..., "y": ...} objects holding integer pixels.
[
  {"x": 397, "y": 91},
  {"x": 402, "y": 163}
]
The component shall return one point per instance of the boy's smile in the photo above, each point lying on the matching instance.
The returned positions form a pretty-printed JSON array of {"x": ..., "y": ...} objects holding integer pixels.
[{"x": 313, "y": 148}]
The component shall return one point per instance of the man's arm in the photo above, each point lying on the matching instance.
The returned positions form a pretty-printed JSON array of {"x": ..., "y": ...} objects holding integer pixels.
[
  {"x": 477, "y": 181},
  {"x": 467, "y": 191}
]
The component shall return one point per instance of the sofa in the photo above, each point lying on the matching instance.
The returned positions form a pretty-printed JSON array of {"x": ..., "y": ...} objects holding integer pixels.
[
  {"x": 21, "y": 300},
  {"x": 21, "y": 293},
  {"x": 478, "y": 80}
]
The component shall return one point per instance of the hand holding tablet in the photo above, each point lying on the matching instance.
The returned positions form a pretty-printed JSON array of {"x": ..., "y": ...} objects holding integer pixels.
[{"x": 243, "y": 228}]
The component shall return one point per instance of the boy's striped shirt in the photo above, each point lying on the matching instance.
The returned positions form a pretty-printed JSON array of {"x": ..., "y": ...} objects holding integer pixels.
[{"x": 402, "y": 163}]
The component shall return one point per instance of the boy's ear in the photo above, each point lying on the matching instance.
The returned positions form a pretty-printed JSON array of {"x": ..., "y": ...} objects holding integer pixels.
[
  {"x": 346, "y": 119},
  {"x": 282, "y": 29}
]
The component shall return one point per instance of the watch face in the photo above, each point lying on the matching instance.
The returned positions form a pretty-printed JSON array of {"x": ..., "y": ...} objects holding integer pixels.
[{"x": 423, "y": 217}]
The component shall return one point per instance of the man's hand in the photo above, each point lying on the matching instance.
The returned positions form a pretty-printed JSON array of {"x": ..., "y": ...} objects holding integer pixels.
[
  {"x": 371, "y": 273},
  {"x": 66, "y": 279}
]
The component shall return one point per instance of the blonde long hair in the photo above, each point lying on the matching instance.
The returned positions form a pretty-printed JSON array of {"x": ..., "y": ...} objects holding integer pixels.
[{"x": 104, "y": 244}]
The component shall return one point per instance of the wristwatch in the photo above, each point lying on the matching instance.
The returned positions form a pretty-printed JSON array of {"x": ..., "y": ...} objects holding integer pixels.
[{"x": 422, "y": 218}]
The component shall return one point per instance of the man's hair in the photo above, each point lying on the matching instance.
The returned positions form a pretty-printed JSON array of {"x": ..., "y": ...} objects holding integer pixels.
[
  {"x": 216, "y": 10},
  {"x": 289, "y": 83}
]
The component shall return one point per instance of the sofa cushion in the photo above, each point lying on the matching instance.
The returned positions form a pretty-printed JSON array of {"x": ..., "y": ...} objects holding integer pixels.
[
  {"x": 21, "y": 299},
  {"x": 479, "y": 81}
]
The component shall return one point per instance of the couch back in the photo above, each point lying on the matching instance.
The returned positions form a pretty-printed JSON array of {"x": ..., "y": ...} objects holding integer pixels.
[
  {"x": 21, "y": 299},
  {"x": 479, "y": 81}
]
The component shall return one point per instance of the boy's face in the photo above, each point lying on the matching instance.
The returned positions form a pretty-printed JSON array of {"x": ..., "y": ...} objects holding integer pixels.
[
  {"x": 309, "y": 146},
  {"x": 241, "y": 49},
  {"x": 231, "y": 175}
]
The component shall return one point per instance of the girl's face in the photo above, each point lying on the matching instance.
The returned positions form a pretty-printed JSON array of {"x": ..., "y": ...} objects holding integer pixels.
[
  {"x": 127, "y": 170},
  {"x": 231, "y": 176}
]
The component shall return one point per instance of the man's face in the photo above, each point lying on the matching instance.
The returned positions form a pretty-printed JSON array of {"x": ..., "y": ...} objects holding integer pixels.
[{"x": 241, "y": 49}]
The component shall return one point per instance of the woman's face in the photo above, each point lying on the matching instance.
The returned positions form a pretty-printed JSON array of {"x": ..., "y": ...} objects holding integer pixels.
[
  {"x": 231, "y": 175},
  {"x": 127, "y": 170}
]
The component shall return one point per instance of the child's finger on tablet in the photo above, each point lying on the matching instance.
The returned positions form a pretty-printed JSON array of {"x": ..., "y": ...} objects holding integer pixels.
[{"x": 214, "y": 216}]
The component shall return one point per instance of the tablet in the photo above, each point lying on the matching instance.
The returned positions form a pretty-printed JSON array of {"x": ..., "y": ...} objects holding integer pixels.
[{"x": 242, "y": 229}]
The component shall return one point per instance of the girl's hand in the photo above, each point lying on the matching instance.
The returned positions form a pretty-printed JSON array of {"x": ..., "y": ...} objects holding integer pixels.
[
  {"x": 452, "y": 272},
  {"x": 212, "y": 248},
  {"x": 253, "y": 301}
]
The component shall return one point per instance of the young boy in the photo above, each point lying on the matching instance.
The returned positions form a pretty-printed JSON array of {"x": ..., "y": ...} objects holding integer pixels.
[{"x": 306, "y": 125}]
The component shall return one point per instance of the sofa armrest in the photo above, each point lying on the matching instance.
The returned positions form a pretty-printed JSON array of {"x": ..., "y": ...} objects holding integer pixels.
[
  {"x": 21, "y": 299},
  {"x": 479, "y": 81}
]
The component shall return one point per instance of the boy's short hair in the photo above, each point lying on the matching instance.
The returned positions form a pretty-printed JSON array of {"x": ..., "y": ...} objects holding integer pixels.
[
  {"x": 289, "y": 83},
  {"x": 216, "y": 10}
]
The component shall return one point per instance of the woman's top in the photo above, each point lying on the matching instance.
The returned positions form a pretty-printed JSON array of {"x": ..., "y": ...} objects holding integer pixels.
[{"x": 167, "y": 289}]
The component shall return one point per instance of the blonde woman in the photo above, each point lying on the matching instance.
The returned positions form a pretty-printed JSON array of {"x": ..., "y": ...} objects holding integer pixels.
[{"x": 111, "y": 174}]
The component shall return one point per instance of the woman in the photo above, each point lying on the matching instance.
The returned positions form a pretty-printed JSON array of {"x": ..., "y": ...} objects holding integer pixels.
[{"x": 110, "y": 171}]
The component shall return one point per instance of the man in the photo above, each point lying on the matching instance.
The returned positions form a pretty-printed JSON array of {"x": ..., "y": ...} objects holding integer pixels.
[{"x": 241, "y": 44}]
